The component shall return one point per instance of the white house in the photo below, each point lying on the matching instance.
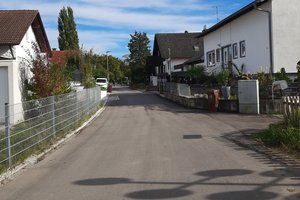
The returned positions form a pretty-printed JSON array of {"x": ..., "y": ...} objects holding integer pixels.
[
  {"x": 174, "y": 50},
  {"x": 18, "y": 30},
  {"x": 263, "y": 35}
]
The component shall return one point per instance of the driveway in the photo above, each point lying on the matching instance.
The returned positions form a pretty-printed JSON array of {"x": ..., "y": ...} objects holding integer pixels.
[{"x": 145, "y": 147}]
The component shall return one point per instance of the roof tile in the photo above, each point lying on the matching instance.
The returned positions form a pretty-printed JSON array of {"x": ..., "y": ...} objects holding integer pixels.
[{"x": 14, "y": 25}]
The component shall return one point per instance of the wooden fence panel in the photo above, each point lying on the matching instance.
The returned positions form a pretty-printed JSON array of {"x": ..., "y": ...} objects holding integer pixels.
[{"x": 291, "y": 110}]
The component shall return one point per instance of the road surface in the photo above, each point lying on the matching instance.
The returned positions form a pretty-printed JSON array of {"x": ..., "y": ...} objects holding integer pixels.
[{"x": 145, "y": 147}]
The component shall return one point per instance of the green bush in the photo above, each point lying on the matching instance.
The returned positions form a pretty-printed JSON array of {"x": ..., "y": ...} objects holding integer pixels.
[
  {"x": 280, "y": 135},
  {"x": 282, "y": 75}
]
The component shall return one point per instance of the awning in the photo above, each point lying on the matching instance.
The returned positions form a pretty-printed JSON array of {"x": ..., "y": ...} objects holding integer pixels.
[
  {"x": 179, "y": 66},
  {"x": 194, "y": 60}
]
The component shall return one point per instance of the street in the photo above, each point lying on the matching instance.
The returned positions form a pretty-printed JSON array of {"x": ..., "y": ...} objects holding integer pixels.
[{"x": 145, "y": 147}]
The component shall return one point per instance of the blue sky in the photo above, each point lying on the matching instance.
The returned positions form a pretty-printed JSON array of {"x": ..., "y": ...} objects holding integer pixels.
[{"x": 105, "y": 25}]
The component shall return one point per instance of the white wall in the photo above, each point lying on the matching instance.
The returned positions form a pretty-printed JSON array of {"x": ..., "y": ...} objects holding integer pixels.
[
  {"x": 25, "y": 46},
  {"x": 251, "y": 27},
  {"x": 20, "y": 52},
  {"x": 14, "y": 94},
  {"x": 173, "y": 62},
  {"x": 286, "y": 34}
]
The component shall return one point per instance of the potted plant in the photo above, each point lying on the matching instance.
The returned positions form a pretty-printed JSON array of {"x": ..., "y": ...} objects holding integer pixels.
[{"x": 223, "y": 78}]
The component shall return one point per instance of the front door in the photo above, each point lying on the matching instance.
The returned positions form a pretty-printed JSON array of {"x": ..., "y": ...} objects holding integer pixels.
[{"x": 3, "y": 91}]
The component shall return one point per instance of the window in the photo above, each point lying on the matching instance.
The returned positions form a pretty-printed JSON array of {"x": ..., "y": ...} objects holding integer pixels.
[
  {"x": 235, "y": 51},
  {"x": 242, "y": 49},
  {"x": 218, "y": 54},
  {"x": 211, "y": 58}
]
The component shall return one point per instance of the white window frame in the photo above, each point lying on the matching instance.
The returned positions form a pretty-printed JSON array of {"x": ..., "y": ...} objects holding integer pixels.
[
  {"x": 242, "y": 49},
  {"x": 218, "y": 55},
  {"x": 211, "y": 58},
  {"x": 234, "y": 51}
]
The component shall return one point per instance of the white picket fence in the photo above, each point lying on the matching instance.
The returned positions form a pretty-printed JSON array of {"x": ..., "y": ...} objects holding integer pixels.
[{"x": 291, "y": 110}]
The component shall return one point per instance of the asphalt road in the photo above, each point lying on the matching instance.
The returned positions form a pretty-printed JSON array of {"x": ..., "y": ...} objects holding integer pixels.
[{"x": 145, "y": 147}]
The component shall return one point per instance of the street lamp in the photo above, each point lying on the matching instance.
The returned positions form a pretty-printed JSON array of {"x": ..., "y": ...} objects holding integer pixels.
[{"x": 107, "y": 65}]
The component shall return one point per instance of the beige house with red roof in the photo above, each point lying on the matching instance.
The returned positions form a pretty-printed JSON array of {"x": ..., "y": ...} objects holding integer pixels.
[{"x": 18, "y": 30}]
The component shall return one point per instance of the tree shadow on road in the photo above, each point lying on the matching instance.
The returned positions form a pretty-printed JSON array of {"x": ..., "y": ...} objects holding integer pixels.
[
  {"x": 210, "y": 178},
  {"x": 243, "y": 140}
]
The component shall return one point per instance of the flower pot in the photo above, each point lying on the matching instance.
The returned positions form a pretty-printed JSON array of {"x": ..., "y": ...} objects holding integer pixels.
[{"x": 225, "y": 92}]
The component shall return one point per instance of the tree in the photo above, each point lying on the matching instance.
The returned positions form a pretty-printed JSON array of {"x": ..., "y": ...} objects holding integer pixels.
[
  {"x": 86, "y": 67},
  {"x": 68, "y": 37},
  {"x": 139, "y": 51},
  {"x": 47, "y": 78}
]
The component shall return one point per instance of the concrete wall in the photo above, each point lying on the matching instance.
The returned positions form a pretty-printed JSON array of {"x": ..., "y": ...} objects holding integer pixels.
[
  {"x": 190, "y": 102},
  {"x": 286, "y": 34}
]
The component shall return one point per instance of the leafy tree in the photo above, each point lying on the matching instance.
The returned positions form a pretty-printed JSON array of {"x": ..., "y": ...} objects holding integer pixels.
[
  {"x": 86, "y": 68},
  {"x": 264, "y": 80},
  {"x": 68, "y": 37},
  {"x": 282, "y": 76},
  {"x": 197, "y": 73},
  {"x": 47, "y": 78},
  {"x": 139, "y": 51}
]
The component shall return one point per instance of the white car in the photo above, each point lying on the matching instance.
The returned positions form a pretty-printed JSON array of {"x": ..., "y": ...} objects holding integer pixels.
[{"x": 102, "y": 82}]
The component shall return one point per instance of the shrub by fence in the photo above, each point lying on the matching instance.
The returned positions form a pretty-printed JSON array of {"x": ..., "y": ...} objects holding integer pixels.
[
  {"x": 34, "y": 125},
  {"x": 291, "y": 110}
]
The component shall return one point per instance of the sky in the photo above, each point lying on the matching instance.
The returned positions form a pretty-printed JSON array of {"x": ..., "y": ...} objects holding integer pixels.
[{"x": 106, "y": 25}]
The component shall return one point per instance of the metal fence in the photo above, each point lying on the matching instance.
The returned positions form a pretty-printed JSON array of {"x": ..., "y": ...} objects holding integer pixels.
[{"x": 32, "y": 126}]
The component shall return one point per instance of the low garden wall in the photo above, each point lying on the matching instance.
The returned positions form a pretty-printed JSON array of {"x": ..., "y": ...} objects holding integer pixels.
[
  {"x": 202, "y": 102},
  {"x": 269, "y": 106},
  {"x": 188, "y": 101},
  {"x": 228, "y": 105}
]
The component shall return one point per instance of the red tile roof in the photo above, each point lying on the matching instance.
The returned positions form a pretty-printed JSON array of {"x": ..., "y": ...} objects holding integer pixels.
[{"x": 15, "y": 23}]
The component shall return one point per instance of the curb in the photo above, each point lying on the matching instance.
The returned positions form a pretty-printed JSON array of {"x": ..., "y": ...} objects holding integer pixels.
[{"x": 10, "y": 174}]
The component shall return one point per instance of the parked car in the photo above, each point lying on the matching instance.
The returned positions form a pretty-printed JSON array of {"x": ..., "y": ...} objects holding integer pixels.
[{"x": 102, "y": 82}]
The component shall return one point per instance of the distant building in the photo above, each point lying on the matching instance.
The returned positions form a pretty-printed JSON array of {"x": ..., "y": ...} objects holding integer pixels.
[{"x": 173, "y": 51}]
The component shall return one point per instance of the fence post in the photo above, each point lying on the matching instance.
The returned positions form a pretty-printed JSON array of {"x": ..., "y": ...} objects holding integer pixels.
[
  {"x": 89, "y": 100},
  {"x": 77, "y": 107},
  {"x": 52, "y": 100},
  {"x": 7, "y": 134},
  {"x": 95, "y": 98}
]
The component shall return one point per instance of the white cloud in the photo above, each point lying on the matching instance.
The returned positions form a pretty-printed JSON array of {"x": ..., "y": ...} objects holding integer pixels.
[
  {"x": 163, "y": 5},
  {"x": 101, "y": 41},
  {"x": 106, "y": 24}
]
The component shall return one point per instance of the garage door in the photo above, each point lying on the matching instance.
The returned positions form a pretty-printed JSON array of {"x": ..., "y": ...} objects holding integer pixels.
[{"x": 3, "y": 91}]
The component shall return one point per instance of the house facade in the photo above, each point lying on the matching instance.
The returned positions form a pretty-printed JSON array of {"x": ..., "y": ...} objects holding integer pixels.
[
  {"x": 264, "y": 35},
  {"x": 19, "y": 30},
  {"x": 173, "y": 50}
]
